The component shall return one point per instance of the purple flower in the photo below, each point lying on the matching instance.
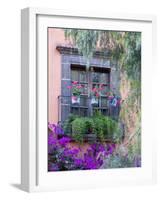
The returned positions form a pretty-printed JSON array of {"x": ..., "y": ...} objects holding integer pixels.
[
  {"x": 74, "y": 151},
  {"x": 52, "y": 140},
  {"x": 111, "y": 148},
  {"x": 90, "y": 163},
  {"x": 89, "y": 151},
  {"x": 59, "y": 130},
  {"x": 101, "y": 148},
  {"x": 66, "y": 151},
  {"x": 70, "y": 152},
  {"x": 55, "y": 128},
  {"x": 93, "y": 146},
  {"x": 64, "y": 140},
  {"x": 78, "y": 162},
  {"x": 63, "y": 157},
  {"x": 51, "y": 126},
  {"x": 113, "y": 145}
]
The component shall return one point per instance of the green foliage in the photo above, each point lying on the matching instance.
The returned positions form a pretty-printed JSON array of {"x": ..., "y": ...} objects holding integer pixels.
[
  {"x": 76, "y": 91},
  {"x": 126, "y": 156},
  {"x": 82, "y": 126},
  {"x": 104, "y": 127},
  {"x": 85, "y": 40},
  {"x": 89, "y": 124},
  {"x": 122, "y": 158},
  {"x": 99, "y": 128},
  {"x": 67, "y": 126},
  {"x": 118, "y": 161},
  {"x": 78, "y": 129},
  {"x": 135, "y": 147},
  {"x": 124, "y": 47},
  {"x": 133, "y": 52}
]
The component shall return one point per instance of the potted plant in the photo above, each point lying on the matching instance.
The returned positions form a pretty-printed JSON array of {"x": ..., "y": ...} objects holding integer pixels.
[
  {"x": 83, "y": 129},
  {"x": 95, "y": 94},
  {"x": 76, "y": 92},
  {"x": 90, "y": 130},
  {"x": 109, "y": 97}
]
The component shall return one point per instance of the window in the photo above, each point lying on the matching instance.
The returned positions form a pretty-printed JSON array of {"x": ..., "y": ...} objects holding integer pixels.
[{"x": 94, "y": 78}]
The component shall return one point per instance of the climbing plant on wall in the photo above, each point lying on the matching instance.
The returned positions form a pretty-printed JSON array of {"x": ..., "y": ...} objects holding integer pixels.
[
  {"x": 125, "y": 47},
  {"x": 85, "y": 40}
]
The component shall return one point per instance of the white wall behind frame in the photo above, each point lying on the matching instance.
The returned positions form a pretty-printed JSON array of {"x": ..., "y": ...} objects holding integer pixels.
[{"x": 10, "y": 98}]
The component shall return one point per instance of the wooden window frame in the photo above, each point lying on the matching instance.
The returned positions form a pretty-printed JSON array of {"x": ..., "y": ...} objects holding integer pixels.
[{"x": 90, "y": 84}]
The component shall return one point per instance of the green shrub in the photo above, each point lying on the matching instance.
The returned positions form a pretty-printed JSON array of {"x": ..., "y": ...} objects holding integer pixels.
[
  {"x": 103, "y": 126},
  {"x": 117, "y": 161},
  {"x": 67, "y": 126},
  {"x": 111, "y": 126},
  {"x": 78, "y": 129},
  {"x": 99, "y": 128},
  {"x": 89, "y": 124}
]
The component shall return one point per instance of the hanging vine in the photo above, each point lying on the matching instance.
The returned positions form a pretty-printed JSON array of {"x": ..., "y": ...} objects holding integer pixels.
[{"x": 85, "y": 41}]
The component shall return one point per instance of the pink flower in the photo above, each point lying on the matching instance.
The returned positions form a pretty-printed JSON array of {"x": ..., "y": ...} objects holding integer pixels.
[
  {"x": 97, "y": 95},
  {"x": 101, "y": 88},
  {"x": 75, "y": 82},
  {"x": 79, "y": 87},
  {"x": 94, "y": 89},
  {"x": 69, "y": 86},
  {"x": 118, "y": 102},
  {"x": 65, "y": 83},
  {"x": 110, "y": 97}
]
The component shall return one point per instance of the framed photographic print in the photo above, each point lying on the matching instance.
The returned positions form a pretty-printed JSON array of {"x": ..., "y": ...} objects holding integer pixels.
[{"x": 87, "y": 117}]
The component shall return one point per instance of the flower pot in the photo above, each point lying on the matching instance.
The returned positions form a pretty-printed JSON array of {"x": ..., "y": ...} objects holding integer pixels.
[
  {"x": 75, "y": 100},
  {"x": 90, "y": 137},
  {"x": 94, "y": 101}
]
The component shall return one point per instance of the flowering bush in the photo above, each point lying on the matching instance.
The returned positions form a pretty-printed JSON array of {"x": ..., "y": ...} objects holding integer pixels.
[
  {"x": 76, "y": 88},
  {"x": 62, "y": 157},
  {"x": 96, "y": 91}
]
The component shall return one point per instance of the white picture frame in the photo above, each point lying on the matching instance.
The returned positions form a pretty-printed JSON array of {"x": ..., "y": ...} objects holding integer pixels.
[{"x": 34, "y": 22}]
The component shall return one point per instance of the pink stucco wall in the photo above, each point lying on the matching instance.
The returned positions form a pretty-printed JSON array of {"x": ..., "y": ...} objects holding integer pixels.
[{"x": 55, "y": 37}]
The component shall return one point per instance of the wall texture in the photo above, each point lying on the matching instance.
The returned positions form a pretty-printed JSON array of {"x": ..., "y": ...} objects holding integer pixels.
[{"x": 55, "y": 37}]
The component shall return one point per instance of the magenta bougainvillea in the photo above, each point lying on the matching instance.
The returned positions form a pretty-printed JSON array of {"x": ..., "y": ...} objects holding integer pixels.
[{"x": 62, "y": 157}]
